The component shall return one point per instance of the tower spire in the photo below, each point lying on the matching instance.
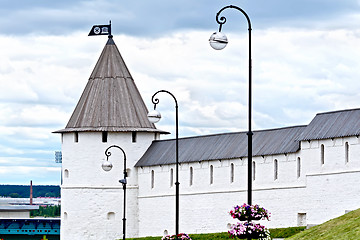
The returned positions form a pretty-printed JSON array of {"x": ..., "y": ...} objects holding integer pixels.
[{"x": 111, "y": 100}]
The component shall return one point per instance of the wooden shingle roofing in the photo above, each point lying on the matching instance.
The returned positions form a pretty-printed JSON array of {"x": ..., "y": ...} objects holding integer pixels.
[{"x": 110, "y": 100}]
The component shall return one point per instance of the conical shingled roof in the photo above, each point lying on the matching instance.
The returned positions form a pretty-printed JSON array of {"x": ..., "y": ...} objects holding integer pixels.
[{"x": 111, "y": 100}]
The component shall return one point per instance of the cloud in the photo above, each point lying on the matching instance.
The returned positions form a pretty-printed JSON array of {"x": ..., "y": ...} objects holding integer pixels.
[
  {"x": 23, "y": 175},
  {"x": 32, "y": 115},
  {"x": 305, "y": 61},
  {"x": 293, "y": 71},
  {"x": 155, "y": 18}
]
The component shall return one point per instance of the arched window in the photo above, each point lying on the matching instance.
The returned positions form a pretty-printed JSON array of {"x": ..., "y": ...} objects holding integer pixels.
[
  {"x": 211, "y": 174},
  {"x": 128, "y": 172},
  {"x": 191, "y": 176},
  {"x": 171, "y": 177},
  {"x": 346, "y": 152},
  {"x": 298, "y": 167},
  {"x": 253, "y": 170},
  {"x": 152, "y": 178},
  {"x": 66, "y": 173},
  {"x": 322, "y": 154},
  {"x": 232, "y": 172},
  {"x": 276, "y": 169},
  {"x": 110, "y": 216},
  {"x": 229, "y": 225}
]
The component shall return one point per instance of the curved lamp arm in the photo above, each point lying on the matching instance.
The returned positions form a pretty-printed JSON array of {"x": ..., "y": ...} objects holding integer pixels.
[
  {"x": 108, "y": 154},
  {"x": 222, "y": 19},
  {"x": 155, "y": 101}
]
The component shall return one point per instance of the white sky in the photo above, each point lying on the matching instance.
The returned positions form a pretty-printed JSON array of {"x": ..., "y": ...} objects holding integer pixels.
[{"x": 306, "y": 60}]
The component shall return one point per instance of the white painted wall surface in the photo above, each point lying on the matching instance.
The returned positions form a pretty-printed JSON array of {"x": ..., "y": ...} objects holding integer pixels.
[
  {"x": 321, "y": 192},
  {"x": 92, "y": 199}
]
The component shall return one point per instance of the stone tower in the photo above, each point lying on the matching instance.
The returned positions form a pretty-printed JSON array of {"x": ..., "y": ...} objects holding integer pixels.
[{"x": 110, "y": 111}]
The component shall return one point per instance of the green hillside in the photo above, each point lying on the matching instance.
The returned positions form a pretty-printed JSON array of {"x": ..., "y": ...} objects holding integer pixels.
[{"x": 346, "y": 227}]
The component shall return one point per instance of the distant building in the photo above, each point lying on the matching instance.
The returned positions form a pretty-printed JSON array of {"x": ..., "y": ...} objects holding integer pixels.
[
  {"x": 30, "y": 228},
  {"x": 304, "y": 175},
  {"x": 15, "y": 222},
  {"x": 16, "y": 211},
  {"x": 42, "y": 201}
]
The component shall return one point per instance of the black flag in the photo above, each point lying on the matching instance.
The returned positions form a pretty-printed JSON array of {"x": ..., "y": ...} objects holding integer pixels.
[{"x": 100, "y": 30}]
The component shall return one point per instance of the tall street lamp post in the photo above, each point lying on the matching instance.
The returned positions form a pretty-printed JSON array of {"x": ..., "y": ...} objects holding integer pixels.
[
  {"x": 218, "y": 41},
  {"x": 154, "y": 116},
  {"x": 107, "y": 166}
]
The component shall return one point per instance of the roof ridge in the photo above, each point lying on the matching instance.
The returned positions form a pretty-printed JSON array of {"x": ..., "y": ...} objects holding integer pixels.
[
  {"x": 229, "y": 133},
  {"x": 336, "y": 111},
  {"x": 272, "y": 129}
]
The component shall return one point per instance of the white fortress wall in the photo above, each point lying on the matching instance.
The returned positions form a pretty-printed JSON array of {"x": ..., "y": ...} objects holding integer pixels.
[
  {"x": 332, "y": 184},
  {"x": 95, "y": 194},
  {"x": 302, "y": 191}
]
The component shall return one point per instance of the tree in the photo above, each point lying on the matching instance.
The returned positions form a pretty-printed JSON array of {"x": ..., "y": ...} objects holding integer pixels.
[
  {"x": 14, "y": 195},
  {"x": 46, "y": 211}
]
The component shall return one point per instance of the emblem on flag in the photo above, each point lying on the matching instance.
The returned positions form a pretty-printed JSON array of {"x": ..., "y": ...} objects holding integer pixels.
[{"x": 100, "y": 30}]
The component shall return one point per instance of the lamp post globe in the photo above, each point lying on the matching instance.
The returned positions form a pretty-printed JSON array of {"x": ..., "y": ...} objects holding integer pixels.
[
  {"x": 218, "y": 40},
  {"x": 106, "y": 166},
  {"x": 154, "y": 116}
]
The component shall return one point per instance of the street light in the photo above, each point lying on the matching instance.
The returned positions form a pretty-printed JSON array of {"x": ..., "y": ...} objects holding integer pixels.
[
  {"x": 218, "y": 41},
  {"x": 107, "y": 166},
  {"x": 154, "y": 116}
]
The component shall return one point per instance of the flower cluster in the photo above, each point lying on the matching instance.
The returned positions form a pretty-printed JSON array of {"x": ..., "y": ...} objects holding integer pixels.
[
  {"x": 243, "y": 230},
  {"x": 180, "y": 236},
  {"x": 246, "y": 211}
]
